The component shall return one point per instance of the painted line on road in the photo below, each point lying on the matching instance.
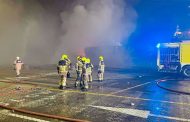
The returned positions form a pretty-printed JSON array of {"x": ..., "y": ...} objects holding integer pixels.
[
  {"x": 137, "y": 86},
  {"x": 138, "y": 113},
  {"x": 128, "y": 111},
  {"x": 7, "y": 113},
  {"x": 171, "y": 118},
  {"x": 32, "y": 76},
  {"x": 131, "y": 88},
  {"x": 117, "y": 96}
]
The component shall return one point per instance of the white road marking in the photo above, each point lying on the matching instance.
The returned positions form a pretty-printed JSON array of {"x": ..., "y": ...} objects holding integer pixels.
[
  {"x": 112, "y": 95},
  {"x": 40, "y": 101},
  {"x": 139, "y": 113},
  {"x": 32, "y": 76},
  {"x": 126, "y": 97},
  {"x": 17, "y": 100},
  {"x": 23, "y": 77},
  {"x": 172, "y": 118},
  {"x": 7, "y": 113},
  {"x": 9, "y": 78},
  {"x": 133, "y": 112},
  {"x": 117, "y": 96},
  {"x": 131, "y": 88}
]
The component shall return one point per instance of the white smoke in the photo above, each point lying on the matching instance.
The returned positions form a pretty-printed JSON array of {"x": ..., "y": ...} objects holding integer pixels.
[
  {"x": 95, "y": 23},
  {"x": 40, "y": 36},
  {"x": 10, "y": 27},
  {"x": 28, "y": 31}
]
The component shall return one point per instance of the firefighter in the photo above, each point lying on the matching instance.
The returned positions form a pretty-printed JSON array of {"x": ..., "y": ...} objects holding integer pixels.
[
  {"x": 84, "y": 75},
  {"x": 62, "y": 69},
  {"x": 101, "y": 68},
  {"x": 18, "y": 65},
  {"x": 78, "y": 68},
  {"x": 89, "y": 67},
  {"x": 68, "y": 62}
]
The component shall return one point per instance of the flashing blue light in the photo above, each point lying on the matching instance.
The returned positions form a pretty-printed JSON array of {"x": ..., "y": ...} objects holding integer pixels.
[
  {"x": 157, "y": 108},
  {"x": 158, "y": 45}
]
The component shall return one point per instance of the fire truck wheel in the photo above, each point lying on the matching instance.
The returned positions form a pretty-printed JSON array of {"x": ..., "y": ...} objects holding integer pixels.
[{"x": 186, "y": 71}]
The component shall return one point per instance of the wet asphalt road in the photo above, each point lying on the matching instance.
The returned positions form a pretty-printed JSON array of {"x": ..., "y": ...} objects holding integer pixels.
[{"x": 124, "y": 96}]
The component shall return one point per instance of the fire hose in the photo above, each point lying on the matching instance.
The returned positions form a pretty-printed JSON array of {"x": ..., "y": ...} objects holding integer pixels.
[
  {"x": 42, "y": 114},
  {"x": 172, "y": 90},
  {"x": 36, "y": 113}
]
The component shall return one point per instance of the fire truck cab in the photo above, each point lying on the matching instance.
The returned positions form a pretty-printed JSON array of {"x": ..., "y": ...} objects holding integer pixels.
[{"x": 174, "y": 57}]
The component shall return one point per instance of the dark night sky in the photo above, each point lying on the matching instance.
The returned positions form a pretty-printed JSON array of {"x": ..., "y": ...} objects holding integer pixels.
[{"x": 157, "y": 19}]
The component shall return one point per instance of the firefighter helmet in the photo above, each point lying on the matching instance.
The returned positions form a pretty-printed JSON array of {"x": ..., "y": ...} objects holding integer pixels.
[
  {"x": 101, "y": 58},
  {"x": 84, "y": 59},
  {"x": 64, "y": 56},
  {"x": 88, "y": 60}
]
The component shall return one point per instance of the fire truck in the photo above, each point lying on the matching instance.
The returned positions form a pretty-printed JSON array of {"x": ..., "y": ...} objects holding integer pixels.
[{"x": 174, "y": 56}]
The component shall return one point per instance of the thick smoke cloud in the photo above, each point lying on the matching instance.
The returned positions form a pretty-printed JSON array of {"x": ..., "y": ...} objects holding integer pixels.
[
  {"x": 41, "y": 30},
  {"x": 28, "y": 31},
  {"x": 96, "y": 23},
  {"x": 10, "y": 28}
]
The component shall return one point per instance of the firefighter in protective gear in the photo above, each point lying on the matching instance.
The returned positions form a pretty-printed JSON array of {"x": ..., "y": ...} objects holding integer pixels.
[
  {"x": 68, "y": 62},
  {"x": 78, "y": 68},
  {"x": 83, "y": 60},
  {"x": 89, "y": 68},
  {"x": 62, "y": 69},
  {"x": 18, "y": 66},
  {"x": 84, "y": 75},
  {"x": 101, "y": 68}
]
